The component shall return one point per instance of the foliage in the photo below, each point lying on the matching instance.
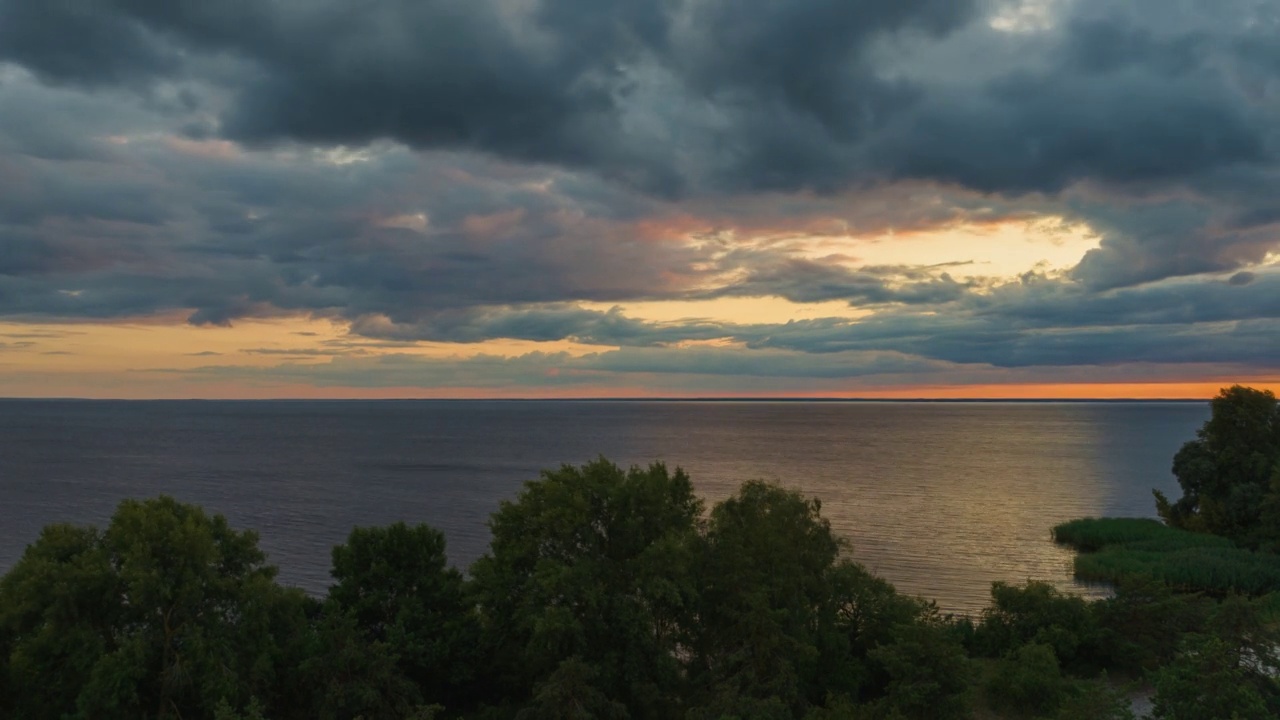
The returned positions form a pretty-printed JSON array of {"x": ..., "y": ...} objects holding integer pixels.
[
  {"x": 1230, "y": 473},
  {"x": 786, "y": 623},
  {"x": 593, "y": 563},
  {"x": 1213, "y": 570},
  {"x": 1209, "y": 680},
  {"x": 929, "y": 673},
  {"x": 765, "y": 566},
  {"x": 1028, "y": 682},
  {"x": 1095, "y": 700},
  {"x": 570, "y": 694},
  {"x": 1116, "y": 549},
  {"x": 1039, "y": 613},
  {"x": 1144, "y": 622},
  {"x": 166, "y": 613},
  {"x": 395, "y": 584},
  {"x": 607, "y": 593},
  {"x": 348, "y": 676},
  {"x": 1093, "y": 534}
]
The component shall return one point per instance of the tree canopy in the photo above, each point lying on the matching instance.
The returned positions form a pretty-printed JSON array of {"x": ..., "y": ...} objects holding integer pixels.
[
  {"x": 606, "y": 593},
  {"x": 1230, "y": 474},
  {"x": 166, "y": 613}
]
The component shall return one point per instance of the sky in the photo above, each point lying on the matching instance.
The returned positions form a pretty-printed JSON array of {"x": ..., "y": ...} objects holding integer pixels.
[{"x": 639, "y": 198}]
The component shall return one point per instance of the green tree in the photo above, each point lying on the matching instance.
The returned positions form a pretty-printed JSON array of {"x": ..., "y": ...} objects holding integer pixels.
[
  {"x": 1096, "y": 700},
  {"x": 1038, "y": 612},
  {"x": 57, "y": 615},
  {"x": 594, "y": 563},
  {"x": 1208, "y": 681},
  {"x": 350, "y": 677},
  {"x": 570, "y": 694},
  {"x": 1226, "y": 473},
  {"x": 929, "y": 673},
  {"x": 1028, "y": 682},
  {"x": 167, "y": 613},
  {"x": 766, "y": 566},
  {"x": 787, "y": 625},
  {"x": 1144, "y": 622},
  {"x": 395, "y": 584},
  {"x": 862, "y": 613}
]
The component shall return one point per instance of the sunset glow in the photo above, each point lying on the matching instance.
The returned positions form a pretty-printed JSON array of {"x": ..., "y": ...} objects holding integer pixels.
[{"x": 901, "y": 206}]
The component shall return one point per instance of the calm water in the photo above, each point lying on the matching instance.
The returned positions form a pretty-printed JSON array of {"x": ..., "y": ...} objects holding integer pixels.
[{"x": 940, "y": 498}]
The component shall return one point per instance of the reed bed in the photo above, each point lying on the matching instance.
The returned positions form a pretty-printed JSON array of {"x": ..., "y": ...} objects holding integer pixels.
[{"x": 1116, "y": 549}]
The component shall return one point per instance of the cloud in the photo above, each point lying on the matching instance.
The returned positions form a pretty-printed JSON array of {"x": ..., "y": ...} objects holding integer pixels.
[
  {"x": 571, "y": 82},
  {"x": 675, "y": 369},
  {"x": 431, "y": 171},
  {"x": 804, "y": 280}
]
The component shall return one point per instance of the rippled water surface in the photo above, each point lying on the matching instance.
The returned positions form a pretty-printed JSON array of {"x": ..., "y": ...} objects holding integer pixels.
[{"x": 940, "y": 498}]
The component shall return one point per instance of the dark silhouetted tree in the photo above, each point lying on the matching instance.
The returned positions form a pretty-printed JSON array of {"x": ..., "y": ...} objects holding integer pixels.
[
  {"x": 167, "y": 613},
  {"x": 395, "y": 584},
  {"x": 594, "y": 564},
  {"x": 1227, "y": 472}
]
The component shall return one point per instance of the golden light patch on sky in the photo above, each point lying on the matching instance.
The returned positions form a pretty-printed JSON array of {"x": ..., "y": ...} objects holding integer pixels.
[
  {"x": 67, "y": 350},
  {"x": 999, "y": 249},
  {"x": 158, "y": 342},
  {"x": 743, "y": 310},
  {"x": 501, "y": 347}
]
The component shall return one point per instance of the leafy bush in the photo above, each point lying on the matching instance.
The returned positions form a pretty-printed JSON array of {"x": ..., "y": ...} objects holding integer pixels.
[
  {"x": 1037, "y": 612},
  {"x": 1028, "y": 682},
  {"x": 1209, "y": 680},
  {"x": 1145, "y": 621}
]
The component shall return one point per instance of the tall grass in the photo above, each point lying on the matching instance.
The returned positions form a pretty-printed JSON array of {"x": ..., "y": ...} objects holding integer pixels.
[
  {"x": 1093, "y": 534},
  {"x": 1116, "y": 549}
]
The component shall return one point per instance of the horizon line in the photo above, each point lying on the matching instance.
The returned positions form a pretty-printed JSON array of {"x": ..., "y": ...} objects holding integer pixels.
[{"x": 674, "y": 398}]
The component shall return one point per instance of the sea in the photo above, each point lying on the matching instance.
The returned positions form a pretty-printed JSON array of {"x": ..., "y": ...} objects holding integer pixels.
[{"x": 940, "y": 498}]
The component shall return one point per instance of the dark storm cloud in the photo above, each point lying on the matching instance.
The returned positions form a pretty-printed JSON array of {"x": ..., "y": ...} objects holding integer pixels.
[
  {"x": 788, "y": 88},
  {"x": 160, "y": 224},
  {"x": 552, "y": 81},
  {"x": 682, "y": 98},
  {"x": 465, "y": 171},
  {"x": 83, "y": 42},
  {"x": 1047, "y": 322}
]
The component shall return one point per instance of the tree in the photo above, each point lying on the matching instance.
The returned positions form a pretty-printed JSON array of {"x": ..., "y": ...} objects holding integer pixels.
[
  {"x": 766, "y": 565},
  {"x": 594, "y": 563},
  {"x": 787, "y": 625},
  {"x": 1038, "y": 612},
  {"x": 1208, "y": 680},
  {"x": 569, "y": 694},
  {"x": 395, "y": 584},
  {"x": 1144, "y": 622},
  {"x": 1028, "y": 682},
  {"x": 928, "y": 672},
  {"x": 350, "y": 677},
  {"x": 167, "y": 613},
  {"x": 1226, "y": 473}
]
